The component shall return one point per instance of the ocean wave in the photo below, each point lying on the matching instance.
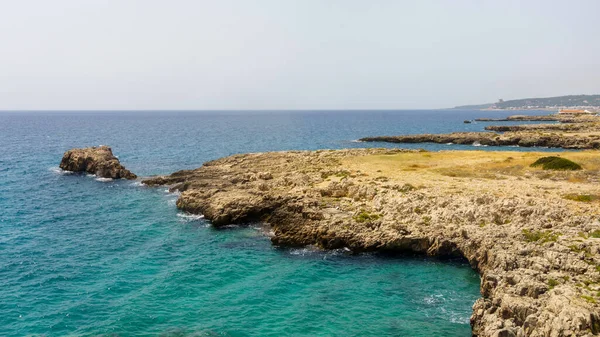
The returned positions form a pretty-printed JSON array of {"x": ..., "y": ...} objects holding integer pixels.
[
  {"x": 59, "y": 171},
  {"x": 434, "y": 299},
  {"x": 304, "y": 251},
  {"x": 356, "y": 141},
  {"x": 188, "y": 217},
  {"x": 312, "y": 250},
  {"x": 104, "y": 180},
  {"x": 437, "y": 303},
  {"x": 136, "y": 184},
  {"x": 455, "y": 317}
]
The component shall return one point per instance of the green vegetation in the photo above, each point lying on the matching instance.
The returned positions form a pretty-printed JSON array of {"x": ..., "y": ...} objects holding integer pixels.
[
  {"x": 364, "y": 216},
  {"x": 545, "y": 102},
  {"x": 589, "y": 298},
  {"x": 540, "y": 236},
  {"x": 406, "y": 188},
  {"x": 577, "y": 249},
  {"x": 595, "y": 234},
  {"x": 556, "y": 163},
  {"x": 340, "y": 174},
  {"x": 581, "y": 197},
  {"x": 553, "y": 283},
  {"x": 566, "y": 101}
]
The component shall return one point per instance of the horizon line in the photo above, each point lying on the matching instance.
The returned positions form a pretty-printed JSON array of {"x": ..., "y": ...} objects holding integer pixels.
[{"x": 218, "y": 110}]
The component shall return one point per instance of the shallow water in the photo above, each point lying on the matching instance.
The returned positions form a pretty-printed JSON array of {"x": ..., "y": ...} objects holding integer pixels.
[{"x": 83, "y": 256}]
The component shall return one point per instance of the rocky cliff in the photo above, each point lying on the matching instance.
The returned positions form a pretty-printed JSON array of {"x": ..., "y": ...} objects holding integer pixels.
[
  {"x": 95, "y": 160},
  {"x": 533, "y": 235}
]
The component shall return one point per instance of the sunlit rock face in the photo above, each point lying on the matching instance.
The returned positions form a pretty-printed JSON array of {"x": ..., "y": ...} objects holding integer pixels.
[{"x": 98, "y": 160}]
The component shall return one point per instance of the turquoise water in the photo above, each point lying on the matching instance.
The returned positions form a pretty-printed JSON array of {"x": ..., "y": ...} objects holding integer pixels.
[{"x": 83, "y": 257}]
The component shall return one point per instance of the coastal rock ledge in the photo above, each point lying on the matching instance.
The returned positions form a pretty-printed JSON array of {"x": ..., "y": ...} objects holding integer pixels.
[
  {"x": 532, "y": 235},
  {"x": 98, "y": 160}
]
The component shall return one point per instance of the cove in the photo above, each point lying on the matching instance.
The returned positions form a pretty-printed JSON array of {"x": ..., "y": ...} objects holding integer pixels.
[{"x": 80, "y": 256}]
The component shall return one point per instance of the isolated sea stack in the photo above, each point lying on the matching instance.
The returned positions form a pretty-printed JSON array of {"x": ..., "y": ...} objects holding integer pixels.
[{"x": 98, "y": 160}]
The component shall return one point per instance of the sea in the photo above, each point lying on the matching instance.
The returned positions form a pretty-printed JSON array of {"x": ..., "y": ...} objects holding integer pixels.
[{"x": 86, "y": 256}]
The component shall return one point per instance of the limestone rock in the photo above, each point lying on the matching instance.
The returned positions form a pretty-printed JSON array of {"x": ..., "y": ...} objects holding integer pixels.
[
  {"x": 534, "y": 250},
  {"x": 98, "y": 160}
]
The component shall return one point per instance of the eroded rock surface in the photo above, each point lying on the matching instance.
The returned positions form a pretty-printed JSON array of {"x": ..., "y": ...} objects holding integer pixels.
[
  {"x": 98, "y": 160},
  {"x": 537, "y": 252}
]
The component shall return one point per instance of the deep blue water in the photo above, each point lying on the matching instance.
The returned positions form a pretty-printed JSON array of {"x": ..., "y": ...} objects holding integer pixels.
[{"x": 82, "y": 257}]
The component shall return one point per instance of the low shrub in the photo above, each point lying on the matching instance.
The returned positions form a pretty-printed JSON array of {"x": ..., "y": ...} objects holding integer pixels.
[
  {"x": 366, "y": 217},
  {"x": 540, "y": 236},
  {"x": 582, "y": 197},
  {"x": 556, "y": 163}
]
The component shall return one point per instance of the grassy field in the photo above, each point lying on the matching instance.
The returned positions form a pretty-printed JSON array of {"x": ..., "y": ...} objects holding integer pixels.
[{"x": 504, "y": 173}]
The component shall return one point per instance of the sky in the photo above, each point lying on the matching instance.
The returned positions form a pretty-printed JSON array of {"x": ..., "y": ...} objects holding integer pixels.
[{"x": 284, "y": 54}]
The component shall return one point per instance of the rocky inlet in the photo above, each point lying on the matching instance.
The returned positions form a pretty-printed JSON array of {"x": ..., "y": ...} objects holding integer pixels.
[
  {"x": 533, "y": 235},
  {"x": 535, "y": 246}
]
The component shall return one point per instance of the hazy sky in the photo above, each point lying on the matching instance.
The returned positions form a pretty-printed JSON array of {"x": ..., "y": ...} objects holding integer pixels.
[{"x": 302, "y": 54}]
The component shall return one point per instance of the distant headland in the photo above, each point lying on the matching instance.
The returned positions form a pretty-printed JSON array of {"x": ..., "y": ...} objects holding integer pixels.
[{"x": 583, "y": 102}]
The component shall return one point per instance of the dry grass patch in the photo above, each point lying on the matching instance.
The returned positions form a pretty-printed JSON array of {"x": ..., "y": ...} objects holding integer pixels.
[{"x": 582, "y": 197}]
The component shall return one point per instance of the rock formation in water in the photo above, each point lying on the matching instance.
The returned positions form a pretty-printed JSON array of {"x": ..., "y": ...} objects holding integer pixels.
[
  {"x": 533, "y": 235},
  {"x": 581, "y": 133},
  {"x": 98, "y": 160},
  {"x": 522, "y": 139}
]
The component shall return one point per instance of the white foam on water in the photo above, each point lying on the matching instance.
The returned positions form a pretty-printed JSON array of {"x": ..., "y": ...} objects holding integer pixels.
[
  {"x": 303, "y": 251},
  {"x": 476, "y": 143},
  {"x": 356, "y": 141},
  {"x": 459, "y": 319},
  {"x": 454, "y": 317},
  {"x": 434, "y": 299},
  {"x": 188, "y": 217},
  {"x": 450, "y": 143},
  {"x": 104, "y": 180},
  {"x": 137, "y": 184},
  {"x": 172, "y": 202},
  {"x": 58, "y": 170}
]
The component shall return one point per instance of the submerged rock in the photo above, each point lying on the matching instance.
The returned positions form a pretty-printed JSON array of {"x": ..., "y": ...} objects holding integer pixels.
[{"x": 98, "y": 160}]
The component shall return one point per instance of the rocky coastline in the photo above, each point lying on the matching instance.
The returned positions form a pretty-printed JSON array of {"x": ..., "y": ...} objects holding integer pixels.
[
  {"x": 542, "y": 118},
  {"x": 572, "y": 133},
  {"x": 97, "y": 160},
  {"x": 533, "y": 235},
  {"x": 535, "y": 249}
]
